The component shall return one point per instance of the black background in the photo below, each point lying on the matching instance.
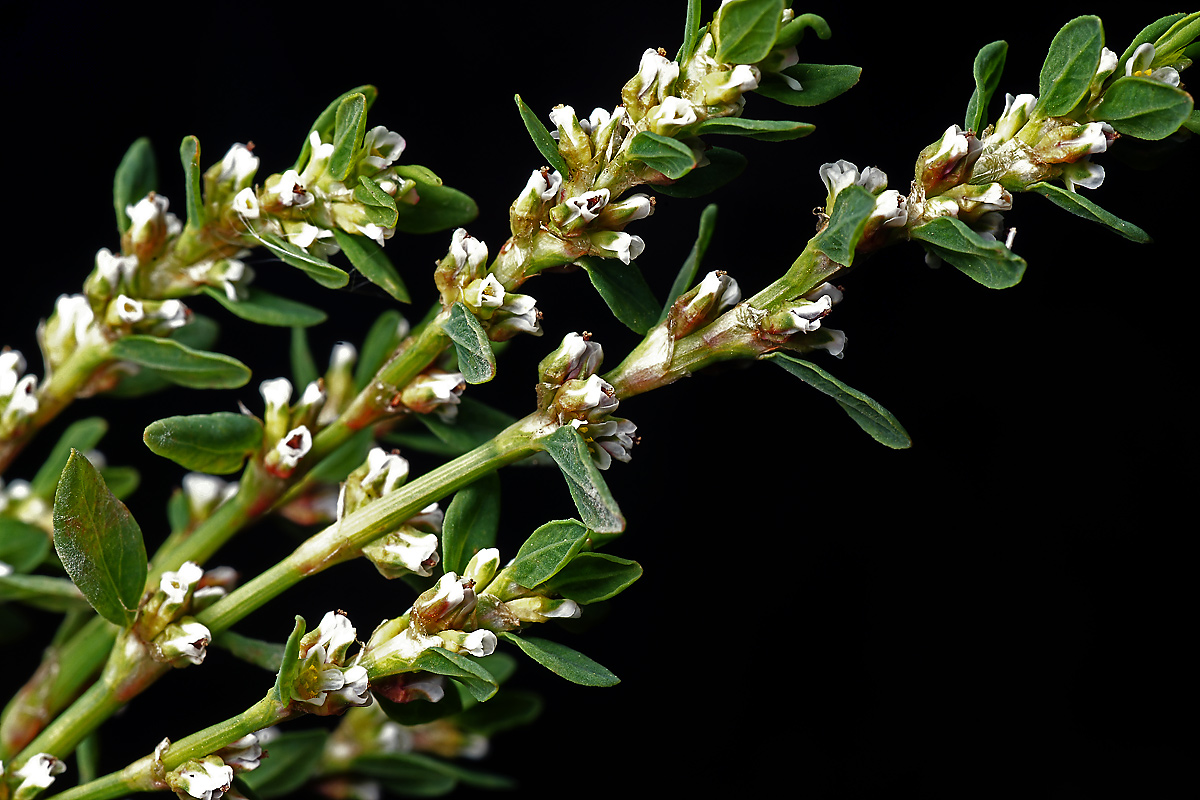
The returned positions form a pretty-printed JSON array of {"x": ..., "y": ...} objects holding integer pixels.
[{"x": 1000, "y": 609}]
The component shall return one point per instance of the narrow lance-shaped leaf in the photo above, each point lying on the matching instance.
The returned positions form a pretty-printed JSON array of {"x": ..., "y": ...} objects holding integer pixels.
[
  {"x": 988, "y": 262},
  {"x": 267, "y": 308},
  {"x": 723, "y": 166},
  {"x": 747, "y": 30},
  {"x": 349, "y": 126},
  {"x": 851, "y": 209},
  {"x": 592, "y": 577},
  {"x": 686, "y": 277},
  {"x": 542, "y": 139},
  {"x": 99, "y": 542},
  {"x": 819, "y": 83},
  {"x": 289, "y": 664},
  {"x": 691, "y": 31},
  {"x": 547, "y": 550},
  {"x": 1080, "y": 206},
  {"x": 597, "y": 508},
  {"x": 189, "y": 154},
  {"x": 669, "y": 156},
  {"x": 300, "y": 357},
  {"x": 563, "y": 661},
  {"x": 319, "y": 270},
  {"x": 378, "y": 345},
  {"x": 1070, "y": 65},
  {"x": 1144, "y": 107},
  {"x": 137, "y": 176},
  {"x": 214, "y": 443},
  {"x": 199, "y": 334},
  {"x": 624, "y": 290},
  {"x": 371, "y": 260},
  {"x": 989, "y": 65},
  {"x": 180, "y": 364},
  {"x": 870, "y": 415},
  {"x": 762, "y": 129},
  {"x": 1175, "y": 40},
  {"x": 474, "y": 424},
  {"x": 81, "y": 435},
  {"x": 476, "y": 360},
  {"x": 327, "y": 119},
  {"x": 471, "y": 522}
]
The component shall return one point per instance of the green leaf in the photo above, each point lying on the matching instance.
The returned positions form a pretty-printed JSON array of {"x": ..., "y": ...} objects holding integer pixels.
[
  {"x": 136, "y": 177},
  {"x": 439, "y": 208},
  {"x": 669, "y": 156},
  {"x": 418, "y": 711},
  {"x": 289, "y": 664},
  {"x": 318, "y": 269},
  {"x": 475, "y": 357},
  {"x": 592, "y": 577},
  {"x": 792, "y": 32},
  {"x": 99, "y": 542},
  {"x": 1070, "y": 65},
  {"x": 512, "y": 708},
  {"x": 1171, "y": 45},
  {"x": 624, "y": 290},
  {"x": 563, "y": 661},
  {"x": 762, "y": 129},
  {"x": 542, "y": 139},
  {"x": 213, "y": 443},
  {"x": 416, "y": 172},
  {"x": 189, "y": 154},
  {"x": 266, "y": 655},
  {"x": 266, "y": 308},
  {"x": 1080, "y": 206},
  {"x": 81, "y": 435},
  {"x": 180, "y": 364},
  {"x": 199, "y": 334},
  {"x": 121, "y": 481},
  {"x": 295, "y": 756},
  {"x": 686, "y": 277},
  {"x": 471, "y": 522},
  {"x": 41, "y": 591},
  {"x": 547, "y": 550},
  {"x": 474, "y": 424},
  {"x": 595, "y": 503},
  {"x": 327, "y": 120},
  {"x": 370, "y": 260},
  {"x": 1149, "y": 34},
  {"x": 819, "y": 83},
  {"x": 988, "y": 262},
  {"x": 870, "y": 416},
  {"x": 1192, "y": 123},
  {"x": 723, "y": 166},
  {"x": 989, "y": 65},
  {"x": 691, "y": 32},
  {"x": 847, "y": 221},
  {"x": 381, "y": 206},
  {"x": 1144, "y": 107},
  {"x": 419, "y": 775},
  {"x": 87, "y": 757},
  {"x": 22, "y": 546},
  {"x": 746, "y": 30},
  {"x": 380, "y": 342},
  {"x": 349, "y": 126},
  {"x": 304, "y": 366},
  {"x": 477, "y": 680}
]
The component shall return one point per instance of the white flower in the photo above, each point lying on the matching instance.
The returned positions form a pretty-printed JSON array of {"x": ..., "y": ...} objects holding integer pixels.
[
  {"x": 73, "y": 324},
  {"x": 335, "y": 633},
  {"x": 23, "y": 401},
  {"x": 562, "y": 116},
  {"x": 671, "y": 116},
  {"x": 388, "y": 144},
  {"x": 1013, "y": 118},
  {"x": 1083, "y": 174},
  {"x": 806, "y": 318},
  {"x": 391, "y": 467},
  {"x": 721, "y": 286},
  {"x": 149, "y": 210},
  {"x": 544, "y": 186},
  {"x": 837, "y": 175},
  {"x": 277, "y": 392},
  {"x": 242, "y": 755},
  {"x": 467, "y": 250},
  {"x": 245, "y": 203},
  {"x": 171, "y": 314},
  {"x": 372, "y": 231},
  {"x": 12, "y": 364},
  {"x": 891, "y": 209},
  {"x": 478, "y": 643},
  {"x": 291, "y": 192},
  {"x": 619, "y": 245},
  {"x": 655, "y": 75},
  {"x": 614, "y": 438},
  {"x": 129, "y": 310},
  {"x": 404, "y": 552},
  {"x": 113, "y": 269},
  {"x": 485, "y": 292},
  {"x": 39, "y": 771},
  {"x": 203, "y": 780},
  {"x": 238, "y": 165},
  {"x": 519, "y": 314},
  {"x": 206, "y": 492},
  {"x": 430, "y": 518},
  {"x": 342, "y": 356},
  {"x": 5, "y": 571},
  {"x": 1138, "y": 66},
  {"x": 294, "y": 446},
  {"x": 586, "y": 206},
  {"x": 728, "y": 86},
  {"x": 176, "y": 585},
  {"x": 185, "y": 640},
  {"x": 355, "y": 690}
]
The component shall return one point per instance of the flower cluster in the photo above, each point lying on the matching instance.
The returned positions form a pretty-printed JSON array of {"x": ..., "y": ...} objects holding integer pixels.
[
  {"x": 463, "y": 276},
  {"x": 166, "y": 620},
  {"x": 326, "y": 679}
]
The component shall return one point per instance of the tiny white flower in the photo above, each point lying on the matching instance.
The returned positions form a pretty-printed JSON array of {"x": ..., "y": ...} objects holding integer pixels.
[
  {"x": 171, "y": 314},
  {"x": 12, "y": 365},
  {"x": 205, "y": 781},
  {"x": 467, "y": 250},
  {"x": 544, "y": 186},
  {"x": 245, "y": 203},
  {"x": 342, "y": 356},
  {"x": 586, "y": 206},
  {"x": 276, "y": 393},
  {"x": 562, "y": 116},
  {"x": 891, "y": 208},
  {"x": 430, "y": 517},
  {"x": 655, "y": 75},
  {"x": 485, "y": 292},
  {"x": 671, "y": 116},
  {"x": 147, "y": 211},
  {"x": 23, "y": 401},
  {"x": 113, "y": 268},
  {"x": 5, "y": 571},
  {"x": 375, "y": 232},
  {"x": 836, "y": 176},
  {"x": 1139, "y": 64},
  {"x": 314, "y": 393},
  {"x": 39, "y": 771},
  {"x": 1083, "y": 174},
  {"x": 185, "y": 640},
  {"x": 205, "y": 492},
  {"x": 388, "y": 144},
  {"x": 243, "y": 755},
  {"x": 619, "y": 245},
  {"x": 1016, "y": 113},
  {"x": 75, "y": 320},
  {"x": 176, "y": 584},
  {"x": 391, "y": 467},
  {"x": 294, "y": 446},
  {"x": 291, "y": 192},
  {"x": 238, "y": 164},
  {"x": 129, "y": 310}
]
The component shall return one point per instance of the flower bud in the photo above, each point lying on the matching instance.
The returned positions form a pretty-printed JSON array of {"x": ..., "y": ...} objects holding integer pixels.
[
  {"x": 727, "y": 86},
  {"x": 591, "y": 399},
  {"x": 653, "y": 83},
  {"x": 36, "y": 774},
  {"x": 150, "y": 225},
  {"x": 573, "y": 142},
  {"x": 672, "y": 116},
  {"x": 207, "y": 778},
  {"x": 478, "y": 643},
  {"x": 433, "y": 390},
  {"x": 616, "y": 244},
  {"x": 276, "y": 393},
  {"x": 483, "y": 567},
  {"x": 542, "y": 609},
  {"x": 945, "y": 162},
  {"x": 616, "y": 216},
  {"x": 576, "y": 357},
  {"x": 518, "y": 314},
  {"x": 404, "y": 552},
  {"x": 703, "y": 303},
  {"x": 182, "y": 643}
]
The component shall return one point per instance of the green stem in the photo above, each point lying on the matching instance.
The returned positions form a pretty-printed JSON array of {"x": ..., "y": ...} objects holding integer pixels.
[
  {"x": 344, "y": 539},
  {"x": 93, "y": 707},
  {"x": 146, "y": 774}
]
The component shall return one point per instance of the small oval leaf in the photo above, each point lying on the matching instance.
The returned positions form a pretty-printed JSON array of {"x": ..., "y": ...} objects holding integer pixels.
[
  {"x": 371, "y": 260},
  {"x": 624, "y": 290},
  {"x": 181, "y": 364},
  {"x": 266, "y": 308},
  {"x": 669, "y": 156},
  {"x": 476, "y": 360},
  {"x": 563, "y": 661},
  {"x": 214, "y": 443}
]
